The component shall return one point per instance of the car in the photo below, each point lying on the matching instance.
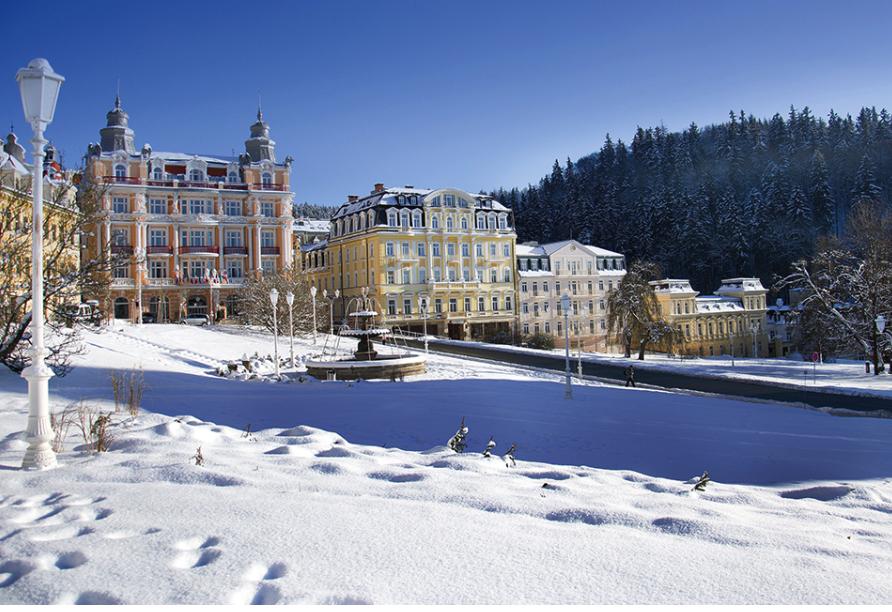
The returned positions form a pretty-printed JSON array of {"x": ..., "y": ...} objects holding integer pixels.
[
  {"x": 148, "y": 317},
  {"x": 196, "y": 319}
]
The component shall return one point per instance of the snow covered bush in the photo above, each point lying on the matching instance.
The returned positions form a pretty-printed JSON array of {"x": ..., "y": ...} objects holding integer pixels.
[
  {"x": 540, "y": 341},
  {"x": 457, "y": 442}
]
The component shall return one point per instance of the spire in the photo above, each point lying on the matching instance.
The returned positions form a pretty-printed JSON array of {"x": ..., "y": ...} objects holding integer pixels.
[
  {"x": 118, "y": 96},
  {"x": 260, "y": 146},
  {"x": 117, "y": 135},
  {"x": 259, "y": 108}
]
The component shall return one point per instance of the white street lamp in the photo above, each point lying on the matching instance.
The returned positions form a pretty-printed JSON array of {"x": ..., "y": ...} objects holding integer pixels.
[
  {"x": 881, "y": 326},
  {"x": 422, "y": 307},
  {"x": 881, "y": 323},
  {"x": 39, "y": 87},
  {"x": 274, "y": 299},
  {"x": 313, "y": 295},
  {"x": 289, "y": 297},
  {"x": 565, "y": 305},
  {"x": 331, "y": 301},
  {"x": 139, "y": 255}
]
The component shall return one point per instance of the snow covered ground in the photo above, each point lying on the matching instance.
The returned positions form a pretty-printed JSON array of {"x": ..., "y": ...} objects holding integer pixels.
[
  {"x": 841, "y": 376},
  {"x": 381, "y": 512}
]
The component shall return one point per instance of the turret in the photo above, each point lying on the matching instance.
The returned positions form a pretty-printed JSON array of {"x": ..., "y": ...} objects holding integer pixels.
[
  {"x": 117, "y": 135},
  {"x": 260, "y": 146}
]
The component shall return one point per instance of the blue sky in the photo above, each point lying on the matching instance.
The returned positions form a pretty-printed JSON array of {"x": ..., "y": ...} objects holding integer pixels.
[{"x": 474, "y": 95}]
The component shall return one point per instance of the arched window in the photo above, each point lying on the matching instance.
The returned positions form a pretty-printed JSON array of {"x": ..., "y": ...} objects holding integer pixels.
[
  {"x": 391, "y": 218},
  {"x": 196, "y": 175},
  {"x": 158, "y": 173},
  {"x": 503, "y": 222},
  {"x": 120, "y": 171},
  {"x": 435, "y": 222},
  {"x": 491, "y": 222},
  {"x": 449, "y": 223},
  {"x": 481, "y": 223},
  {"x": 371, "y": 218},
  {"x": 122, "y": 308},
  {"x": 416, "y": 219},
  {"x": 360, "y": 222},
  {"x": 404, "y": 218},
  {"x": 266, "y": 179},
  {"x": 506, "y": 277},
  {"x": 464, "y": 223}
]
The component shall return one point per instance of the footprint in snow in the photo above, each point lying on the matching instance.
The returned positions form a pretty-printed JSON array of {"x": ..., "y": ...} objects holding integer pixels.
[
  {"x": 256, "y": 588},
  {"x": 196, "y": 552}
]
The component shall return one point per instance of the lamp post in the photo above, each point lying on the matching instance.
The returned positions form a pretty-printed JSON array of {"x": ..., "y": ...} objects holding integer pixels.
[
  {"x": 565, "y": 305},
  {"x": 313, "y": 295},
  {"x": 274, "y": 299},
  {"x": 289, "y": 297},
  {"x": 880, "y": 327},
  {"x": 422, "y": 308},
  {"x": 139, "y": 255},
  {"x": 331, "y": 301},
  {"x": 39, "y": 87}
]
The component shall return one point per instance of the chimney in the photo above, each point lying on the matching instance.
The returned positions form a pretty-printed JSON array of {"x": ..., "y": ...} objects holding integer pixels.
[
  {"x": 352, "y": 198},
  {"x": 378, "y": 187},
  {"x": 410, "y": 187}
]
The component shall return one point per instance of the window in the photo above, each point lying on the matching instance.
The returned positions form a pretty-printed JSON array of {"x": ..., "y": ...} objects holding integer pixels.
[
  {"x": 404, "y": 218},
  {"x": 465, "y": 249},
  {"x": 526, "y": 328},
  {"x": 466, "y": 275},
  {"x": 545, "y": 287},
  {"x": 157, "y": 269},
  {"x": 157, "y": 237},
  {"x": 481, "y": 223},
  {"x": 453, "y": 305},
  {"x": 233, "y": 209},
  {"x": 422, "y": 275},
  {"x": 232, "y": 177},
  {"x": 560, "y": 328},
  {"x": 267, "y": 209},
  {"x": 407, "y": 306},
  {"x": 495, "y": 304},
  {"x": 404, "y": 249},
  {"x": 503, "y": 222},
  {"x": 525, "y": 308},
  {"x": 452, "y": 276},
  {"x": 157, "y": 206},
  {"x": 506, "y": 276},
  {"x": 450, "y": 249},
  {"x": 601, "y": 305},
  {"x": 200, "y": 207},
  {"x": 267, "y": 238},
  {"x": 492, "y": 249},
  {"x": 120, "y": 204},
  {"x": 157, "y": 173},
  {"x": 391, "y": 277},
  {"x": 407, "y": 279},
  {"x": 506, "y": 249},
  {"x": 449, "y": 223},
  {"x": 449, "y": 199},
  {"x": 266, "y": 179},
  {"x": 547, "y": 327},
  {"x": 391, "y": 218},
  {"x": 435, "y": 222},
  {"x": 493, "y": 275},
  {"x": 196, "y": 175},
  {"x": 435, "y": 249},
  {"x": 120, "y": 237},
  {"x": 416, "y": 219},
  {"x": 391, "y": 307},
  {"x": 467, "y": 304},
  {"x": 481, "y": 304},
  {"x": 122, "y": 271},
  {"x": 479, "y": 250},
  {"x": 557, "y": 287},
  {"x": 437, "y": 273},
  {"x": 419, "y": 248},
  {"x": 491, "y": 222},
  {"x": 388, "y": 249},
  {"x": 120, "y": 171},
  {"x": 523, "y": 287},
  {"x": 464, "y": 222},
  {"x": 508, "y": 304}
]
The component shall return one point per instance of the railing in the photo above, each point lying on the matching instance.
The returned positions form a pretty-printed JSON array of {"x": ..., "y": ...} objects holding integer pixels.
[
  {"x": 122, "y": 282},
  {"x": 268, "y": 186},
  {"x": 235, "y": 250},
  {"x": 151, "y": 182},
  {"x": 159, "y": 249},
  {"x": 160, "y": 282},
  {"x": 127, "y": 180},
  {"x": 199, "y": 248},
  {"x": 242, "y": 186},
  {"x": 269, "y": 250},
  {"x": 122, "y": 249}
]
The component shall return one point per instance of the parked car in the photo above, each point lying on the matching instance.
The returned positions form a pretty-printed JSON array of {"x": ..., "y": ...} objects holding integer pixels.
[
  {"x": 148, "y": 317},
  {"x": 196, "y": 319},
  {"x": 86, "y": 313}
]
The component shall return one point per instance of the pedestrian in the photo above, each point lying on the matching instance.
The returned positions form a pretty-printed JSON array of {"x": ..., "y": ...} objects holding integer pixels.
[{"x": 630, "y": 375}]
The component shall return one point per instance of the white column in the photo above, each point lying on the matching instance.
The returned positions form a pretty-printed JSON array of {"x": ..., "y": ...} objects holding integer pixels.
[{"x": 257, "y": 253}]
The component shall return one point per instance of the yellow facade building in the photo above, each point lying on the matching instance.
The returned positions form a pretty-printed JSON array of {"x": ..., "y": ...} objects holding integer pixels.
[
  {"x": 731, "y": 322},
  {"x": 453, "y": 248}
]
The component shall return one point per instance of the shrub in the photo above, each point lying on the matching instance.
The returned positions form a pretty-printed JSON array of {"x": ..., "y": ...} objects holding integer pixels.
[{"x": 540, "y": 341}]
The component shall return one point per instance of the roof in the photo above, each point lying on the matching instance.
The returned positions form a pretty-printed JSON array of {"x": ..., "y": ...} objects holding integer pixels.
[
  {"x": 553, "y": 247},
  {"x": 320, "y": 226},
  {"x": 715, "y": 303},
  {"x": 526, "y": 250},
  {"x": 7, "y": 161},
  {"x": 534, "y": 273},
  {"x": 314, "y": 246},
  {"x": 389, "y": 197}
]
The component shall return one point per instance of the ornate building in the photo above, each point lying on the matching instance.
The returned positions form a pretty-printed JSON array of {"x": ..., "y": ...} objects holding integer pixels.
[
  {"x": 452, "y": 247},
  {"x": 730, "y": 322},
  {"x": 194, "y": 226},
  {"x": 585, "y": 273}
]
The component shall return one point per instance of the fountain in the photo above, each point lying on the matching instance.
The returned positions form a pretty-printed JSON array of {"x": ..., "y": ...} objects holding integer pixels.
[{"x": 366, "y": 362}]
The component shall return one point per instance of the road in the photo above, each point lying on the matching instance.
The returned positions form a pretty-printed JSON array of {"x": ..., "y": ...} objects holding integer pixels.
[{"x": 669, "y": 380}]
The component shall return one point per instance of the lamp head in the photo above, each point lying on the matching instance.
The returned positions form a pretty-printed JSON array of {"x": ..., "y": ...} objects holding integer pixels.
[
  {"x": 289, "y": 297},
  {"x": 39, "y": 86},
  {"x": 273, "y": 296},
  {"x": 313, "y": 291},
  {"x": 881, "y": 323}
]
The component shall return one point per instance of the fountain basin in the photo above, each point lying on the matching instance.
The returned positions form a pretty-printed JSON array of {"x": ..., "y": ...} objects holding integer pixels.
[{"x": 383, "y": 366}]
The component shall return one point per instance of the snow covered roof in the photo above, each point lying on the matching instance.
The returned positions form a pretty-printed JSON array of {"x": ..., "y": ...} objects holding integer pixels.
[
  {"x": 390, "y": 197},
  {"x": 737, "y": 284},
  {"x": 528, "y": 250},
  {"x": 673, "y": 285},
  {"x": 8, "y": 162},
  {"x": 321, "y": 226},
  {"x": 553, "y": 247},
  {"x": 715, "y": 303},
  {"x": 314, "y": 246},
  {"x": 535, "y": 273}
]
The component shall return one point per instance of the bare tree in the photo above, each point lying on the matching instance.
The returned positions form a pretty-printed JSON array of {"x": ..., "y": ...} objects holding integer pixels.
[
  {"x": 257, "y": 309},
  {"x": 633, "y": 314},
  {"x": 849, "y": 284},
  {"x": 68, "y": 273}
]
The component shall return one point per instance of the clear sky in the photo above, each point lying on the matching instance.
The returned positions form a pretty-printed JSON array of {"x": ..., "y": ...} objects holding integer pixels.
[{"x": 474, "y": 95}]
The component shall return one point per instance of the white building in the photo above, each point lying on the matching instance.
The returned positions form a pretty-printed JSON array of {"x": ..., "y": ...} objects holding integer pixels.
[{"x": 585, "y": 273}]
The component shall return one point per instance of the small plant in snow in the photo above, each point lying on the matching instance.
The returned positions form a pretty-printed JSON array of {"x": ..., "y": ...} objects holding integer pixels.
[
  {"x": 509, "y": 456},
  {"x": 701, "y": 482},
  {"x": 457, "y": 442},
  {"x": 95, "y": 428},
  {"x": 487, "y": 452},
  {"x": 248, "y": 435},
  {"x": 61, "y": 422},
  {"x": 136, "y": 387},
  {"x": 198, "y": 458},
  {"x": 117, "y": 382}
]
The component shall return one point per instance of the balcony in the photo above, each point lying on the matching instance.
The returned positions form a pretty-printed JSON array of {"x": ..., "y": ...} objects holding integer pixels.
[
  {"x": 235, "y": 250},
  {"x": 159, "y": 282},
  {"x": 125, "y": 180},
  {"x": 159, "y": 249},
  {"x": 269, "y": 250},
  {"x": 122, "y": 249},
  {"x": 199, "y": 248},
  {"x": 268, "y": 186},
  {"x": 118, "y": 283}
]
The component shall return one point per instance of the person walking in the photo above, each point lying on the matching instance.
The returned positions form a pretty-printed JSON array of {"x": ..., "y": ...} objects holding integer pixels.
[{"x": 630, "y": 375}]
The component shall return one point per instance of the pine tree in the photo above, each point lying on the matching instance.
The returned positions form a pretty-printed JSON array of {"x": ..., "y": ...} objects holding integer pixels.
[
  {"x": 820, "y": 195},
  {"x": 457, "y": 442}
]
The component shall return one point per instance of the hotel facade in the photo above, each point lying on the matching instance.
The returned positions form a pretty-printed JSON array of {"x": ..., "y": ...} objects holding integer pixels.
[
  {"x": 454, "y": 249},
  {"x": 194, "y": 227},
  {"x": 585, "y": 273}
]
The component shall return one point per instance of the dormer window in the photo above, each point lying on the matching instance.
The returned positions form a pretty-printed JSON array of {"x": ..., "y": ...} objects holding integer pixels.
[
  {"x": 391, "y": 218},
  {"x": 196, "y": 176},
  {"x": 416, "y": 219},
  {"x": 232, "y": 178},
  {"x": 449, "y": 199},
  {"x": 404, "y": 218},
  {"x": 401, "y": 200},
  {"x": 158, "y": 173},
  {"x": 266, "y": 179},
  {"x": 120, "y": 171}
]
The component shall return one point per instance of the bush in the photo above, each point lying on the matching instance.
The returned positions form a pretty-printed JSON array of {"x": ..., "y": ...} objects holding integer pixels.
[
  {"x": 540, "y": 341},
  {"x": 500, "y": 337}
]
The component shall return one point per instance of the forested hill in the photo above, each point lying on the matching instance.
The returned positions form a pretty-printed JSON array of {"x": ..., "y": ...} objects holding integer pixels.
[{"x": 745, "y": 197}]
